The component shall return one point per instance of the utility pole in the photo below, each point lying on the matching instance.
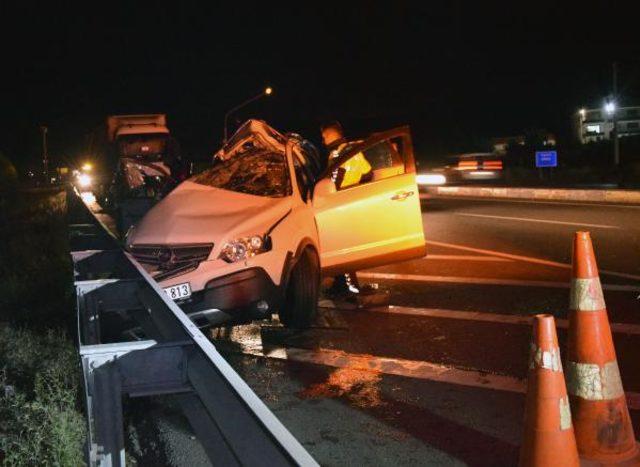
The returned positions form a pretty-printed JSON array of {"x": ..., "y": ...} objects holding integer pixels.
[
  {"x": 616, "y": 140},
  {"x": 45, "y": 155}
]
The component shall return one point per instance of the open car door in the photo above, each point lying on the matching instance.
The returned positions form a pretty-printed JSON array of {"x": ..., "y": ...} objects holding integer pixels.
[{"x": 374, "y": 221}]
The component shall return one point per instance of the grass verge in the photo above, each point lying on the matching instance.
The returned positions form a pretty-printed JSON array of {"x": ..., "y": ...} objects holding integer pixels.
[{"x": 40, "y": 423}]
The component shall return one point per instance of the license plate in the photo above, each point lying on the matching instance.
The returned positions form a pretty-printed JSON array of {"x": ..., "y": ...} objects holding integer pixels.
[{"x": 178, "y": 291}]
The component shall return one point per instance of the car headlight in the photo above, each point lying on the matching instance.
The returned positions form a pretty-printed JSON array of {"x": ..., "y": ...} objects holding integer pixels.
[
  {"x": 244, "y": 248},
  {"x": 431, "y": 179}
]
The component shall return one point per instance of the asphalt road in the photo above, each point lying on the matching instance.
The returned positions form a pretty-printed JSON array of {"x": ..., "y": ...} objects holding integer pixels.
[
  {"x": 514, "y": 257},
  {"x": 438, "y": 377},
  {"x": 538, "y": 229}
]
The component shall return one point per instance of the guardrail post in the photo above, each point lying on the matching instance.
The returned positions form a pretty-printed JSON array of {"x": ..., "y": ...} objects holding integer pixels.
[{"x": 107, "y": 416}]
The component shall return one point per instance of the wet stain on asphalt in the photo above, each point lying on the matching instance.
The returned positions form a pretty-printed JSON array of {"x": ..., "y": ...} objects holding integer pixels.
[{"x": 360, "y": 387}]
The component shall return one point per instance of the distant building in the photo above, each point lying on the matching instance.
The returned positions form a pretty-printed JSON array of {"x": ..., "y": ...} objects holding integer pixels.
[
  {"x": 501, "y": 144},
  {"x": 548, "y": 139},
  {"x": 597, "y": 124}
]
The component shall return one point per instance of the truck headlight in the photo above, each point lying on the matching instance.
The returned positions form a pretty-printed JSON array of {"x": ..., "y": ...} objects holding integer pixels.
[
  {"x": 84, "y": 180},
  {"x": 244, "y": 248}
]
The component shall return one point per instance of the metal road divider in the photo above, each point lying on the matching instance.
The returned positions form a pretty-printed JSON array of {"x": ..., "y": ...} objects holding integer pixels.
[{"x": 135, "y": 341}]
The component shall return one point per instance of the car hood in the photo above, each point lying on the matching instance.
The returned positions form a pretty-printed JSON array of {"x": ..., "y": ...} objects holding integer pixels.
[{"x": 194, "y": 213}]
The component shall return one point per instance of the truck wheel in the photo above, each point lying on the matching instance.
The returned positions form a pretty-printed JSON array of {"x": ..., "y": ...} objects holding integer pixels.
[{"x": 301, "y": 296}]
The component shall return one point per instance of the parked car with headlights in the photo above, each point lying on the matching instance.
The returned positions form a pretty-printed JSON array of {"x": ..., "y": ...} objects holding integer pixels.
[{"x": 254, "y": 233}]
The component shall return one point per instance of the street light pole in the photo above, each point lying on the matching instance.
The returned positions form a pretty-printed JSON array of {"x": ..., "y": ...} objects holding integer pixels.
[
  {"x": 45, "y": 155},
  {"x": 616, "y": 141},
  {"x": 266, "y": 92}
]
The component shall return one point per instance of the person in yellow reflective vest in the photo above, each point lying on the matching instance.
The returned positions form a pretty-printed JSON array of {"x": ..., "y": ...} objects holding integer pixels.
[{"x": 352, "y": 172}]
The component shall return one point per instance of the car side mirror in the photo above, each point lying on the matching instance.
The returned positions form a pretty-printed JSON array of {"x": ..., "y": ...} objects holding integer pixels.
[{"x": 324, "y": 187}]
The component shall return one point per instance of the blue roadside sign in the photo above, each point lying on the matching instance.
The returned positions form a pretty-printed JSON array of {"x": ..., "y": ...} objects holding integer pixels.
[{"x": 546, "y": 159}]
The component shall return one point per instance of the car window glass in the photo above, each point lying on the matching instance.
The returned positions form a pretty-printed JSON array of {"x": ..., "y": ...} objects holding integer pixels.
[
  {"x": 255, "y": 172},
  {"x": 383, "y": 155},
  {"x": 377, "y": 162},
  {"x": 311, "y": 158}
]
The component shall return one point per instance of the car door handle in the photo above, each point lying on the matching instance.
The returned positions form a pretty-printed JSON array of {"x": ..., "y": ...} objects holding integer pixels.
[{"x": 402, "y": 195}]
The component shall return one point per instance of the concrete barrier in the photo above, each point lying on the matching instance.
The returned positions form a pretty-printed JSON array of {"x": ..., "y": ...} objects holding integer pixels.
[{"x": 547, "y": 194}]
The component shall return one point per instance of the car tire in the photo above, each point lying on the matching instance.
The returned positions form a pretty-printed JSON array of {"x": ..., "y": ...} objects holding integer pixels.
[{"x": 300, "y": 301}]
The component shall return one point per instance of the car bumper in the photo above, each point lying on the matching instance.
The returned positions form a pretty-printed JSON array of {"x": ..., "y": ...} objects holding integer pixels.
[{"x": 246, "y": 294}]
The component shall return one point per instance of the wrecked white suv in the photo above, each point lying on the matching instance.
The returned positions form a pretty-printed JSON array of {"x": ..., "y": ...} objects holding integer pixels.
[{"x": 254, "y": 233}]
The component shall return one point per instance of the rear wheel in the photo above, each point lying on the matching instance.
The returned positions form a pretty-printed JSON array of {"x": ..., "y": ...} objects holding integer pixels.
[{"x": 301, "y": 296}]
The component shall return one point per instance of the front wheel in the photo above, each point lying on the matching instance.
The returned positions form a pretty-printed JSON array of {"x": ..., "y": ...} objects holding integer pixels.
[{"x": 301, "y": 296}]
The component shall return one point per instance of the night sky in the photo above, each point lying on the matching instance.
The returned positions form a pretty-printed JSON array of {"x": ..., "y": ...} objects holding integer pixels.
[{"x": 457, "y": 72}]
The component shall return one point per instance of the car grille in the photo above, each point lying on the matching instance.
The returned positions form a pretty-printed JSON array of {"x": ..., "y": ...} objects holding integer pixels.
[{"x": 171, "y": 260}]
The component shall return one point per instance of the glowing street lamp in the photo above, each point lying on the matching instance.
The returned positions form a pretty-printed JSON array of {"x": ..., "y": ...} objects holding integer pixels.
[
  {"x": 583, "y": 113},
  {"x": 267, "y": 92},
  {"x": 610, "y": 107}
]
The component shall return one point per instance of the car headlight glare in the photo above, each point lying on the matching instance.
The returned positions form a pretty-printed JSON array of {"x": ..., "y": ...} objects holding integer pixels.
[
  {"x": 244, "y": 248},
  {"x": 431, "y": 179}
]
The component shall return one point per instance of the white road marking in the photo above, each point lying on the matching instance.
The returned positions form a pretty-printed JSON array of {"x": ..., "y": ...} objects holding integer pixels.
[
  {"x": 528, "y": 259},
  {"x": 392, "y": 366},
  {"x": 408, "y": 368},
  {"x": 526, "y": 201},
  {"x": 537, "y": 221},
  {"x": 486, "y": 281},
  {"x": 621, "y": 328},
  {"x": 248, "y": 340},
  {"x": 467, "y": 258}
]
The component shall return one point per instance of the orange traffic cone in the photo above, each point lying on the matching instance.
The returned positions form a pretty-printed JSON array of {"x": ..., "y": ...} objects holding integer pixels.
[
  {"x": 548, "y": 438},
  {"x": 603, "y": 428}
]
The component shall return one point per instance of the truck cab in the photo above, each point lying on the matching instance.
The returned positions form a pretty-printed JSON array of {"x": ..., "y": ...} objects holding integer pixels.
[{"x": 145, "y": 164}]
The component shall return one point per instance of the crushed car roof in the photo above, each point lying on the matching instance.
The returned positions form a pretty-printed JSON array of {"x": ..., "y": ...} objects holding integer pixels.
[{"x": 256, "y": 134}]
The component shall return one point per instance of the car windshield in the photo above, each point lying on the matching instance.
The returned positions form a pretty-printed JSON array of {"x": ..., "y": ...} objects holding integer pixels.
[{"x": 255, "y": 172}]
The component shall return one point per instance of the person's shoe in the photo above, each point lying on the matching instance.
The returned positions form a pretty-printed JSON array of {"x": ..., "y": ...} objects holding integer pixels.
[{"x": 352, "y": 290}]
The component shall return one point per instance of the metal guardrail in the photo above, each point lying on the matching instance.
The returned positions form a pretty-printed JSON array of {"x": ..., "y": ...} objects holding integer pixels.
[{"x": 117, "y": 303}]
